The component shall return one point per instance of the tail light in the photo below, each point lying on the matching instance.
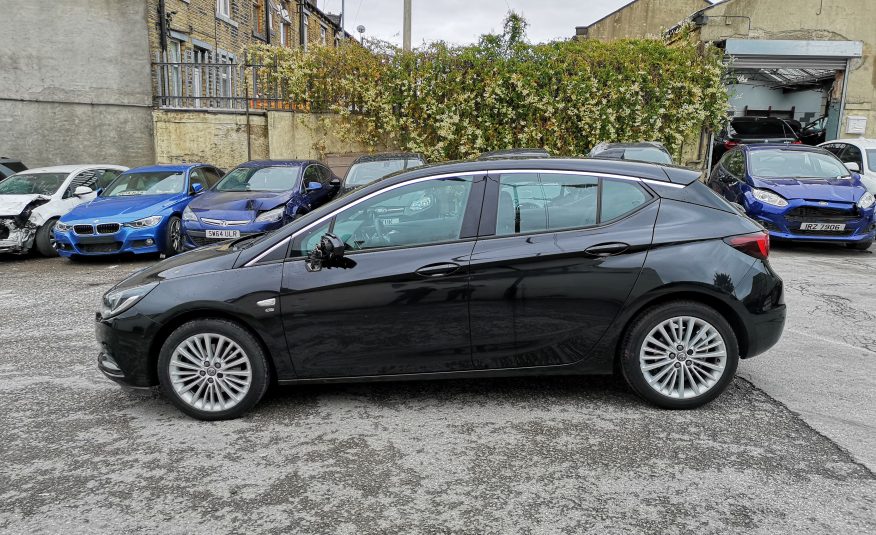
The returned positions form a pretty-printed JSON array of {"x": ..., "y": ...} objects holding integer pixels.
[
  {"x": 756, "y": 245},
  {"x": 796, "y": 142},
  {"x": 730, "y": 144}
]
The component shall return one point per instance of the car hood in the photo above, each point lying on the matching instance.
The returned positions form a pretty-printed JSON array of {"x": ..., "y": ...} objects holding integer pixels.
[
  {"x": 848, "y": 189},
  {"x": 218, "y": 257},
  {"x": 130, "y": 207},
  {"x": 12, "y": 205},
  {"x": 223, "y": 203}
]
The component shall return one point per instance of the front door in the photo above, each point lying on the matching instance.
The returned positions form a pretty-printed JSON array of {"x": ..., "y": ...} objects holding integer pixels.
[
  {"x": 553, "y": 273},
  {"x": 400, "y": 303}
]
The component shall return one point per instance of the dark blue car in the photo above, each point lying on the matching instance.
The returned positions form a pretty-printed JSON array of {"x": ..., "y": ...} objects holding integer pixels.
[
  {"x": 256, "y": 197},
  {"x": 138, "y": 212},
  {"x": 797, "y": 193}
]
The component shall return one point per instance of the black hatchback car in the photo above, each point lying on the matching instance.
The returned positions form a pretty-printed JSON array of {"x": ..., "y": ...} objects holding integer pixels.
[{"x": 473, "y": 269}]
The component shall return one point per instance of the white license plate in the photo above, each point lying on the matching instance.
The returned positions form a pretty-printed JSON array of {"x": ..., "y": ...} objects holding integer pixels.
[
  {"x": 827, "y": 227},
  {"x": 223, "y": 234}
]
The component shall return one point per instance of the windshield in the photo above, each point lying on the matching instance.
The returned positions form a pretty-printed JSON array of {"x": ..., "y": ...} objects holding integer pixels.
[
  {"x": 32, "y": 183},
  {"x": 259, "y": 179},
  {"x": 154, "y": 183},
  {"x": 796, "y": 164},
  {"x": 765, "y": 129},
  {"x": 367, "y": 172},
  {"x": 871, "y": 159}
]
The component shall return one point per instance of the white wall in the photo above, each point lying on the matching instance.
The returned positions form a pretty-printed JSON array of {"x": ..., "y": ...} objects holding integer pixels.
[{"x": 809, "y": 105}]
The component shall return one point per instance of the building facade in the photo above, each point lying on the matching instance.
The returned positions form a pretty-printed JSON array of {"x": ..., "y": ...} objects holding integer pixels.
[{"x": 640, "y": 19}]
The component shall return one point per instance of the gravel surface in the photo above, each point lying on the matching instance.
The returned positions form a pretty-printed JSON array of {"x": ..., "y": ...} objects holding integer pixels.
[{"x": 544, "y": 455}]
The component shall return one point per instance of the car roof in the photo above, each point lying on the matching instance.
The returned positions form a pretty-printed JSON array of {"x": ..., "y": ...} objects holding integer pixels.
[
  {"x": 631, "y": 145},
  {"x": 662, "y": 173},
  {"x": 754, "y": 119},
  {"x": 165, "y": 167},
  {"x": 782, "y": 146},
  {"x": 520, "y": 152},
  {"x": 276, "y": 163},
  {"x": 385, "y": 156},
  {"x": 68, "y": 168}
]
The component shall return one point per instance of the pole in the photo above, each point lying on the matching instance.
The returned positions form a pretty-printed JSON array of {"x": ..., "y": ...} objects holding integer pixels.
[
  {"x": 406, "y": 41},
  {"x": 343, "y": 12}
]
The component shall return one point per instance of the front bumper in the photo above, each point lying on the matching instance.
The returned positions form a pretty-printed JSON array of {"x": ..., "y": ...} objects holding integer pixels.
[
  {"x": 785, "y": 223},
  {"x": 15, "y": 239},
  {"x": 195, "y": 232},
  {"x": 125, "y": 240},
  {"x": 124, "y": 353}
]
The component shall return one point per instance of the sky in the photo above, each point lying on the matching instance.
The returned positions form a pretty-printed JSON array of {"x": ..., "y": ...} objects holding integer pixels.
[{"x": 463, "y": 21}]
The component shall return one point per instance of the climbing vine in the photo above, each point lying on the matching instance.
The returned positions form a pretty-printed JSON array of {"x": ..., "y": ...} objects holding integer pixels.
[{"x": 452, "y": 102}]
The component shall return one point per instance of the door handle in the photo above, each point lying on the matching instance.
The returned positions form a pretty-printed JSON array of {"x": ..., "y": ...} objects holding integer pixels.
[
  {"x": 437, "y": 270},
  {"x": 607, "y": 249}
]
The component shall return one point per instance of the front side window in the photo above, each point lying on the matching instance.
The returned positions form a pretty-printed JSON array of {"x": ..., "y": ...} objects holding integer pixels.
[
  {"x": 32, "y": 184},
  {"x": 871, "y": 159},
  {"x": 87, "y": 178},
  {"x": 147, "y": 183},
  {"x": 106, "y": 176},
  {"x": 794, "y": 163},
  {"x": 421, "y": 213},
  {"x": 311, "y": 174},
  {"x": 259, "y": 179},
  {"x": 735, "y": 164},
  {"x": 533, "y": 202},
  {"x": 853, "y": 154}
]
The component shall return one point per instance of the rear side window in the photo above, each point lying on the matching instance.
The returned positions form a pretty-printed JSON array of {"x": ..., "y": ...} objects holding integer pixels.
[{"x": 532, "y": 202}]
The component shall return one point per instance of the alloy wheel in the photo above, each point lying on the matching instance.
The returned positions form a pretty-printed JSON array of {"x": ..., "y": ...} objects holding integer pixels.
[
  {"x": 176, "y": 235},
  {"x": 683, "y": 357},
  {"x": 210, "y": 372}
]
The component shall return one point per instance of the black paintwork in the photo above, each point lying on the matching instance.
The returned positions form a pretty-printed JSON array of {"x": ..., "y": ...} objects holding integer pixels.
[{"x": 553, "y": 302}]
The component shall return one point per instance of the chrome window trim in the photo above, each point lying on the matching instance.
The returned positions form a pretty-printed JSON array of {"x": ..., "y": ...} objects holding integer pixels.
[{"x": 452, "y": 175}]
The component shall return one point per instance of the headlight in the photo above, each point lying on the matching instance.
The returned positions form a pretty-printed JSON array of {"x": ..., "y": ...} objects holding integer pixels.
[
  {"x": 867, "y": 201},
  {"x": 117, "y": 301},
  {"x": 62, "y": 227},
  {"x": 188, "y": 215},
  {"x": 768, "y": 197},
  {"x": 271, "y": 216},
  {"x": 145, "y": 222}
]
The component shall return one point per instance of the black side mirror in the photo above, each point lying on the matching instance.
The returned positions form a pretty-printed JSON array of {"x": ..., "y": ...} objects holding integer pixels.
[
  {"x": 329, "y": 252},
  {"x": 335, "y": 183}
]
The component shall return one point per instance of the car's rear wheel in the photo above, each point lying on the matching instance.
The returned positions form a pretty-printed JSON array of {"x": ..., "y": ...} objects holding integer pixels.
[
  {"x": 859, "y": 245},
  {"x": 213, "y": 369},
  {"x": 679, "y": 355},
  {"x": 173, "y": 242},
  {"x": 45, "y": 239}
]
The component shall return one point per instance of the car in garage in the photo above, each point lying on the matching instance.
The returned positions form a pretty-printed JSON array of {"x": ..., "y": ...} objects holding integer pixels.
[
  {"x": 859, "y": 155},
  {"x": 467, "y": 270},
  {"x": 256, "y": 197},
  {"x": 751, "y": 131},
  {"x": 799, "y": 193},
  {"x": 643, "y": 151},
  {"x": 814, "y": 132},
  {"x": 139, "y": 212},
  {"x": 370, "y": 167},
  {"x": 31, "y": 202}
]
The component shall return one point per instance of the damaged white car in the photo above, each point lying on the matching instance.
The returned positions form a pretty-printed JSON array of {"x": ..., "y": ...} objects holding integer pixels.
[{"x": 32, "y": 201}]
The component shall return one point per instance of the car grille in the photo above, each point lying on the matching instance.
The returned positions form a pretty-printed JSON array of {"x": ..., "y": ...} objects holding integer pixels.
[
  {"x": 820, "y": 214},
  {"x": 108, "y": 228},
  {"x": 83, "y": 229},
  {"x": 223, "y": 222},
  {"x": 100, "y": 247},
  {"x": 826, "y": 233}
]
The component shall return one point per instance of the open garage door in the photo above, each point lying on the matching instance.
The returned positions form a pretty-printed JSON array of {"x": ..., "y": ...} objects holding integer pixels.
[{"x": 802, "y": 82}]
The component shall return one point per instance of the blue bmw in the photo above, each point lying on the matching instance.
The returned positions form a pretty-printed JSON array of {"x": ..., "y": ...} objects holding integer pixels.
[
  {"x": 256, "y": 197},
  {"x": 797, "y": 193},
  {"x": 138, "y": 212}
]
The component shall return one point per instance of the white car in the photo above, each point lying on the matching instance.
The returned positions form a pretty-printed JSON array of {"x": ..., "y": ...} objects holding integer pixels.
[
  {"x": 860, "y": 153},
  {"x": 32, "y": 201}
]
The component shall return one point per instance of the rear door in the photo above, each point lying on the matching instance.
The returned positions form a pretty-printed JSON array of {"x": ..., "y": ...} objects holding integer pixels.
[{"x": 557, "y": 256}]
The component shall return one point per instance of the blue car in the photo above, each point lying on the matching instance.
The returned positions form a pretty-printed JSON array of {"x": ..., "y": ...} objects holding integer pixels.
[
  {"x": 256, "y": 197},
  {"x": 138, "y": 212},
  {"x": 797, "y": 193}
]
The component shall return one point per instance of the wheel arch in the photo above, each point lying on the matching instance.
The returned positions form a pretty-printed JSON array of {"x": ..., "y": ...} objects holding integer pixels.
[{"x": 203, "y": 314}]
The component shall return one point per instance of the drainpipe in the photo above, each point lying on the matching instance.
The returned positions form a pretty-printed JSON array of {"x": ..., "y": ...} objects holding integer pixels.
[
  {"x": 268, "y": 21},
  {"x": 842, "y": 108},
  {"x": 301, "y": 36}
]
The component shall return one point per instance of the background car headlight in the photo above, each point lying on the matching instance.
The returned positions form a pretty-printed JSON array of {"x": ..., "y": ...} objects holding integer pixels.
[
  {"x": 768, "y": 197},
  {"x": 867, "y": 201},
  {"x": 271, "y": 216},
  {"x": 188, "y": 215},
  {"x": 117, "y": 301},
  {"x": 62, "y": 227},
  {"x": 145, "y": 222}
]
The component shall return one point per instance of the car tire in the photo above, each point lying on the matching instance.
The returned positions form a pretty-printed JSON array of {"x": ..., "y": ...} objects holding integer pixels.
[
  {"x": 647, "y": 360},
  {"x": 860, "y": 245},
  {"x": 173, "y": 241},
  {"x": 45, "y": 239},
  {"x": 214, "y": 388}
]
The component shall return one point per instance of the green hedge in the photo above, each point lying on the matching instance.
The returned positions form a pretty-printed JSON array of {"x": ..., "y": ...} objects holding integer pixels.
[{"x": 454, "y": 102}]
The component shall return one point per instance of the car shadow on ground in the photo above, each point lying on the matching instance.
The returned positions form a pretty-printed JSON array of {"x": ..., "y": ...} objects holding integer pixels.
[
  {"x": 821, "y": 249},
  {"x": 84, "y": 260}
]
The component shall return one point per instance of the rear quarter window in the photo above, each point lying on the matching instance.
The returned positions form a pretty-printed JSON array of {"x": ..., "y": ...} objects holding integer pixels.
[{"x": 620, "y": 198}]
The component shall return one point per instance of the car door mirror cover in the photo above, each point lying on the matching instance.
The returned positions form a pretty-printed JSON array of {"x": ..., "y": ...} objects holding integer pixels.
[
  {"x": 329, "y": 252},
  {"x": 853, "y": 166},
  {"x": 197, "y": 188},
  {"x": 313, "y": 186},
  {"x": 81, "y": 191}
]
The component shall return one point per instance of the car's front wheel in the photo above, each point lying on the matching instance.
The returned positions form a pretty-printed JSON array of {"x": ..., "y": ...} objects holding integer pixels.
[
  {"x": 679, "y": 355},
  {"x": 213, "y": 369},
  {"x": 173, "y": 241},
  {"x": 45, "y": 239}
]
